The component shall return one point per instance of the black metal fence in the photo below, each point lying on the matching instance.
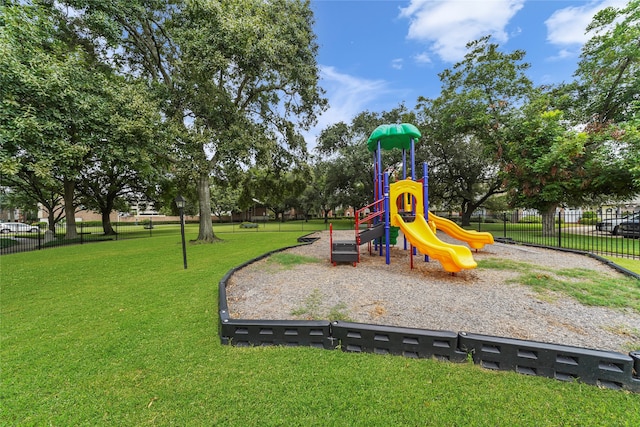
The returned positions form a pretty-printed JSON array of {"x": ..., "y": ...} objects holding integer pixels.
[
  {"x": 21, "y": 241},
  {"x": 607, "y": 234}
]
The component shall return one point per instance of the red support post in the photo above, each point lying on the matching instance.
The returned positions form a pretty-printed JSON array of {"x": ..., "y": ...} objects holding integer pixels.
[{"x": 411, "y": 255}]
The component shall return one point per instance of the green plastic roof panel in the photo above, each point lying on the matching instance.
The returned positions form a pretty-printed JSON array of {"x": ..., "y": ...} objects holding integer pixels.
[{"x": 393, "y": 136}]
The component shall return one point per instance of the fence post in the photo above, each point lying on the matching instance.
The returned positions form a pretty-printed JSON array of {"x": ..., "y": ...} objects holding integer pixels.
[
  {"x": 504, "y": 224},
  {"x": 559, "y": 230}
]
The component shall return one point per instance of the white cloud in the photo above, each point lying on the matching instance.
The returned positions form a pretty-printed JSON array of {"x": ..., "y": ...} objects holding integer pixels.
[
  {"x": 563, "y": 54},
  {"x": 567, "y": 26},
  {"x": 348, "y": 96},
  {"x": 397, "y": 63},
  {"x": 422, "y": 58},
  {"x": 449, "y": 25}
]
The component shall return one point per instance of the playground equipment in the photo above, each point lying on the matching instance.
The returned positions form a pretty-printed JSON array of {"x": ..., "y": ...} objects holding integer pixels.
[{"x": 405, "y": 205}]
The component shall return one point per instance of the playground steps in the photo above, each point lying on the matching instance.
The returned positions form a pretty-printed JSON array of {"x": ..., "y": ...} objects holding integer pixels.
[
  {"x": 370, "y": 234},
  {"x": 344, "y": 251}
]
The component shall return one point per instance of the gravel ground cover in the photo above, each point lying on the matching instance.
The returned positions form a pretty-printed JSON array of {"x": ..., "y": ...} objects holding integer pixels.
[{"x": 483, "y": 300}]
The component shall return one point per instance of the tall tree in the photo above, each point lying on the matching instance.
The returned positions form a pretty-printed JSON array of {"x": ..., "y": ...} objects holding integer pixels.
[
  {"x": 34, "y": 189},
  {"x": 317, "y": 196},
  {"x": 52, "y": 100},
  {"x": 465, "y": 126},
  {"x": 605, "y": 98},
  {"x": 129, "y": 162},
  {"x": 551, "y": 166},
  {"x": 230, "y": 73},
  {"x": 463, "y": 174},
  {"x": 545, "y": 167},
  {"x": 224, "y": 199},
  {"x": 277, "y": 181}
]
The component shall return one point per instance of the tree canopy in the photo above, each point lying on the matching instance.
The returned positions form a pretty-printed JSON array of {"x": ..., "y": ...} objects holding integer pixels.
[
  {"x": 465, "y": 127},
  {"x": 232, "y": 75}
]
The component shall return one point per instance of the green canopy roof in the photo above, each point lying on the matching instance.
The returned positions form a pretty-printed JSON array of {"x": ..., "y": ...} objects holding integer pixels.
[{"x": 393, "y": 136}]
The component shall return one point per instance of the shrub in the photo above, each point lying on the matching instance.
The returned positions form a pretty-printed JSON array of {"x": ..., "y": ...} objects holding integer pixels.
[
  {"x": 589, "y": 218},
  {"x": 588, "y": 221},
  {"x": 531, "y": 220}
]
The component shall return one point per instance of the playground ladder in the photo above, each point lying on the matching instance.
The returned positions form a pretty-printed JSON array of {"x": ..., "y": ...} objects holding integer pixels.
[{"x": 349, "y": 250}]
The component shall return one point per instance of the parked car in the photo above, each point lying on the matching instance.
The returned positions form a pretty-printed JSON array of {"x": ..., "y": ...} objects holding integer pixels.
[
  {"x": 17, "y": 227},
  {"x": 612, "y": 225},
  {"x": 630, "y": 229}
]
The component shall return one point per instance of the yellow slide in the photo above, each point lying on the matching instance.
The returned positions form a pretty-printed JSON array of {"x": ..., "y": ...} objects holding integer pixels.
[
  {"x": 452, "y": 257},
  {"x": 475, "y": 239}
]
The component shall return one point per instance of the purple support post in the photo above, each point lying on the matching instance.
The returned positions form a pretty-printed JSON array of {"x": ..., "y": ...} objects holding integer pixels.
[
  {"x": 425, "y": 196},
  {"x": 404, "y": 176},
  {"x": 387, "y": 222},
  {"x": 380, "y": 181},
  {"x": 379, "y": 162},
  {"x": 413, "y": 177},
  {"x": 425, "y": 189}
]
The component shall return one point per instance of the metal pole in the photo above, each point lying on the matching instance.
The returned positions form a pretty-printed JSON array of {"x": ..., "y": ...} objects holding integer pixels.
[
  {"x": 504, "y": 225},
  {"x": 425, "y": 189},
  {"x": 386, "y": 218},
  {"x": 559, "y": 230},
  {"x": 425, "y": 199},
  {"x": 184, "y": 246}
]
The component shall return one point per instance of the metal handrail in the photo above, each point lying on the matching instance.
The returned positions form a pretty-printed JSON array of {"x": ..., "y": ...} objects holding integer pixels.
[{"x": 376, "y": 212}]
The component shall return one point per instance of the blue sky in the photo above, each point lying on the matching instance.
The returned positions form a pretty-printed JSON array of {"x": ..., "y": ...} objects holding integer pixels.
[{"x": 376, "y": 54}]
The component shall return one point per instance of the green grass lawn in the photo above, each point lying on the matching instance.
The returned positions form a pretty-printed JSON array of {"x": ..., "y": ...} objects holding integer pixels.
[
  {"x": 118, "y": 333},
  {"x": 628, "y": 263}
]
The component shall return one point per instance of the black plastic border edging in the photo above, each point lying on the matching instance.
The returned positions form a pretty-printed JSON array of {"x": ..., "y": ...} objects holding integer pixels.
[
  {"x": 249, "y": 332},
  {"x": 607, "y": 369}
]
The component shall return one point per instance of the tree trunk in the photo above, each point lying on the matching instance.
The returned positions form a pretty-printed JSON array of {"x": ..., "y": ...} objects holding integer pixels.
[
  {"x": 70, "y": 209},
  {"x": 205, "y": 232},
  {"x": 467, "y": 211},
  {"x": 51, "y": 221},
  {"x": 549, "y": 221},
  {"x": 105, "y": 213},
  {"x": 466, "y": 217},
  {"x": 107, "y": 228}
]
